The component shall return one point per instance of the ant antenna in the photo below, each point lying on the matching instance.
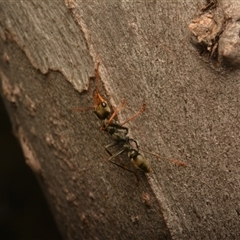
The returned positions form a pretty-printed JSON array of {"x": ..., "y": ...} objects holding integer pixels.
[
  {"x": 96, "y": 95},
  {"x": 177, "y": 162},
  {"x": 116, "y": 111},
  {"x": 135, "y": 115},
  {"x": 82, "y": 109}
]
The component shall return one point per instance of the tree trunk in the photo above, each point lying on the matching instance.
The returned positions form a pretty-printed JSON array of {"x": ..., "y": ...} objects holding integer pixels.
[{"x": 49, "y": 52}]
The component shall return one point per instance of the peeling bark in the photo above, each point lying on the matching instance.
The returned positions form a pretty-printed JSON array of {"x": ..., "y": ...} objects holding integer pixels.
[{"x": 216, "y": 30}]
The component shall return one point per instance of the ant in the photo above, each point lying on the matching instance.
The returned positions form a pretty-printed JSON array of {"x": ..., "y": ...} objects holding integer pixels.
[{"x": 120, "y": 133}]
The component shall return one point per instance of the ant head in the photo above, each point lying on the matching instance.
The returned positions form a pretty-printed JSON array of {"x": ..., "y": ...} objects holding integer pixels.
[{"x": 102, "y": 109}]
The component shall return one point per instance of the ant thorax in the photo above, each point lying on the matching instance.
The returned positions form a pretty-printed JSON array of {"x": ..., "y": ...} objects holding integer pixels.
[{"x": 117, "y": 132}]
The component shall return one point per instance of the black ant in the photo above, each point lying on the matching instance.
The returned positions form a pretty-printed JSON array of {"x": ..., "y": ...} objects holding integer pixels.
[{"x": 119, "y": 133}]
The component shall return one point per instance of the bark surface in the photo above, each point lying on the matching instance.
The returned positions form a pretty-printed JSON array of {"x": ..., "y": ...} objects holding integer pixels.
[{"x": 49, "y": 50}]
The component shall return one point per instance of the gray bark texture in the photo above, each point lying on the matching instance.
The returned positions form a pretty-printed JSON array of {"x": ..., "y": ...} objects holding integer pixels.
[{"x": 49, "y": 50}]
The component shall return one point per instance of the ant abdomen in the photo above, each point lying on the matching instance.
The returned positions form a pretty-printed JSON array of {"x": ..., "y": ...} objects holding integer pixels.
[{"x": 139, "y": 161}]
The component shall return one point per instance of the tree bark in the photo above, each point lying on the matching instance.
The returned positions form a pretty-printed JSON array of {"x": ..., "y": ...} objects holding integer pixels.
[{"x": 49, "y": 52}]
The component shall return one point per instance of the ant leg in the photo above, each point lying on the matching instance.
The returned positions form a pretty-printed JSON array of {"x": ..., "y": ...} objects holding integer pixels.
[
  {"x": 116, "y": 111},
  {"x": 96, "y": 96},
  {"x": 180, "y": 163},
  {"x": 112, "y": 145},
  {"x": 117, "y": 154},
  {"x": 125, "y": 168},
  {"x": 82, "y": 109},
  {"x": 135, "y": 115}
]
